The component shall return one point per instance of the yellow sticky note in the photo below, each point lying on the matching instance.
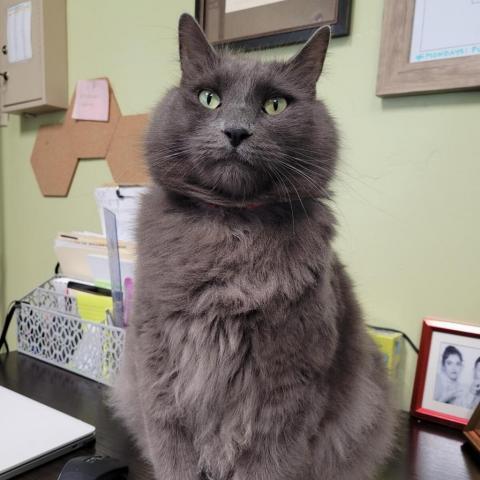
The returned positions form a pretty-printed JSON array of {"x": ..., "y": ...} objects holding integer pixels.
[{"x": 93, "y": 307}]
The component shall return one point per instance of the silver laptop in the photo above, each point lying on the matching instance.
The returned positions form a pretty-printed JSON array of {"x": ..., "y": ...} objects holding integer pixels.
[{"x": 32, "y": 433}]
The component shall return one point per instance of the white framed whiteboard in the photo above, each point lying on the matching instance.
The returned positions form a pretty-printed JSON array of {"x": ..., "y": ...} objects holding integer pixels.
[{"x": 445, "y": 29}]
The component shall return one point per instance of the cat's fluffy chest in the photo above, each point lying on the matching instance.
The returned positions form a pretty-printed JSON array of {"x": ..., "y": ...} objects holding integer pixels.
[
  {"x": 227, "y": 266},
  {"x": 228, "y": 371},
  {"x": 219, "y": 296}
]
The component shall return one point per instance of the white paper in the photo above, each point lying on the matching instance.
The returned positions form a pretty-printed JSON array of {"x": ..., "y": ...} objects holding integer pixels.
[
  {"x": 125, "y": 209},
  {"x": 19, "y": 32},
  {"x": 445, "y": 29},
  {"x": 236, "y": 5},
  {"x": 100, "y": 269}
]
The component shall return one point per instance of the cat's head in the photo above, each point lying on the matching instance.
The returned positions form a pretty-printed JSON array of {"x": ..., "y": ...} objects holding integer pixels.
[{"x": 239, "y": 130}]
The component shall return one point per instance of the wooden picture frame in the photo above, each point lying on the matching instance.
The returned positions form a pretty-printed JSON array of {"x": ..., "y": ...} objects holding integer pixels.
[
  {"x": 441, "y": 341},
  {"x": 277, "y": 37},
  {"x": 397, "y": 75}
]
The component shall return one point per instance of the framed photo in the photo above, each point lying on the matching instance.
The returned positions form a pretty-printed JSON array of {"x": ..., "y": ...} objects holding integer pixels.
[
  {"x": 447, "y": 381},
  {"x": 429, "y": 46},
  {"x": 255, "y": 24}
]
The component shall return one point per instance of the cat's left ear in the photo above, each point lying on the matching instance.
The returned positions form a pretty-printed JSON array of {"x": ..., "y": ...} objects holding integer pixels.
[
  {"x": 307, "y": 64},
  {"x": 196, "y": 53}
]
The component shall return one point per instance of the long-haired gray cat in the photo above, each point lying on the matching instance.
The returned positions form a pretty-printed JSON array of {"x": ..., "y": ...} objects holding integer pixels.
[{"x": 247, "y": 357}]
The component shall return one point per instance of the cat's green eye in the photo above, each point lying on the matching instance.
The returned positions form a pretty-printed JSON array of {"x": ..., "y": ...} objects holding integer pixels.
[
  {"x": 209, "y": 99},
  {"x": 274, "y": 106}
]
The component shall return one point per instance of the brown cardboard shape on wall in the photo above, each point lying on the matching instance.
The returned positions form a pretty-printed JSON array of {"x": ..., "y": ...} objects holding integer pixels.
[
  {"x": 125, "y": 157},
  {"x": 58, "y": 148},
  {"x": 52, "y": 161},
  {"x": 91, "y": 139}
]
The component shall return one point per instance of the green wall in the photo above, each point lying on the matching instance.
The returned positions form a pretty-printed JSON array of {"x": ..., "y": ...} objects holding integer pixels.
[{"x": 407, "y": 193}]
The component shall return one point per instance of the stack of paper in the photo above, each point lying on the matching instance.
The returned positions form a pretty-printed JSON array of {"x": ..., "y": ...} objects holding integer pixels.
[
  {"x": 84, "y": 259},
  {"x": 91, "y": 306},
  {"x": 83, "y": 256}
]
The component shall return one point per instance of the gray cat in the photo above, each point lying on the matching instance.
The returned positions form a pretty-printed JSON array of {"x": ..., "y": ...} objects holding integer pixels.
[{"x": 247, "y": 357}]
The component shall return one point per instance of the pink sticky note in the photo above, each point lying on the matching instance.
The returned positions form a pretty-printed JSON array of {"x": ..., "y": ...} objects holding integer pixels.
[{"x": 91, "y": 100}]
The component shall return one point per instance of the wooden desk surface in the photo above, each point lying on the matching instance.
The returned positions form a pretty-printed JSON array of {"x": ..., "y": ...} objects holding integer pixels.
[{"x": 425, "y": 451}]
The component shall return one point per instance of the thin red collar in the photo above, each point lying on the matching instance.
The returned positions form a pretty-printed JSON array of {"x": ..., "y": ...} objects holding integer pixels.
[{"x": 248, "y": 206}]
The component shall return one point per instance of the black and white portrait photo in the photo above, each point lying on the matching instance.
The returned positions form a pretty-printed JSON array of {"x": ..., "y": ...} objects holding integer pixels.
[
  {"x": 458, "y": 376},
  {"x": 452, "y": 379}
]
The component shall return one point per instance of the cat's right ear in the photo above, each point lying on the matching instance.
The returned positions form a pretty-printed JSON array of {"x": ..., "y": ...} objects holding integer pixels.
[
  {"x": 196, "y": 53},
  {"x": 307, "y": 64}
]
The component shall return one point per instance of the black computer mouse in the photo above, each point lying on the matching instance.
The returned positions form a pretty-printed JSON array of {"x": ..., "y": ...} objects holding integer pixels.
[{"x": 94, "y": 467}]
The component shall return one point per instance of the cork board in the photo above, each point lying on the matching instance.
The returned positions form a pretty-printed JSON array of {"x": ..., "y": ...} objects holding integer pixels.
[
  {"x": 58, "y": 148},
  {"x": 52, "y": 161},
  {"x": 124, "y": 155}
]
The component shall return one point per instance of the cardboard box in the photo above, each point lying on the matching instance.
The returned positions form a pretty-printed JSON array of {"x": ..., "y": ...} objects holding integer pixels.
[{"x": 391, "y": 345}]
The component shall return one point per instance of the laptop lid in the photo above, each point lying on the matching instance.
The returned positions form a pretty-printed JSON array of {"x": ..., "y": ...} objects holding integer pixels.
[{"x": 32, "y": 433}]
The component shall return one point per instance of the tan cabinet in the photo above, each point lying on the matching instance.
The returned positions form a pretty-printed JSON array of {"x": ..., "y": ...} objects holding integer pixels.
[{"x": 33, "y": 57}]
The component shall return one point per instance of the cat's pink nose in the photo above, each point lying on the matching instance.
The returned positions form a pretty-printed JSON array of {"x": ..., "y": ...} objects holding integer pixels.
[{"x": 236, "y": 135}]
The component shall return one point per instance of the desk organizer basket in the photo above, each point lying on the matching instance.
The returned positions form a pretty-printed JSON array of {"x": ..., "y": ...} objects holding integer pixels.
[{"x": 49, "y": 328}]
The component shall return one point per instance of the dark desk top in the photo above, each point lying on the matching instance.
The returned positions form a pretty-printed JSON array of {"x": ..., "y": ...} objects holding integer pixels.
[{"x": 425, "y": 451}]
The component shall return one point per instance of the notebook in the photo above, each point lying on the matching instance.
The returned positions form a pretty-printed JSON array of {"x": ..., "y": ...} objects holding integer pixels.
[{"x": 33, "y": 434}]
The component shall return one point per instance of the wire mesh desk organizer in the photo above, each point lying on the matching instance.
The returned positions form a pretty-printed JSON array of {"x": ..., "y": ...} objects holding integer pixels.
[{"x": 50, "y": 328}]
